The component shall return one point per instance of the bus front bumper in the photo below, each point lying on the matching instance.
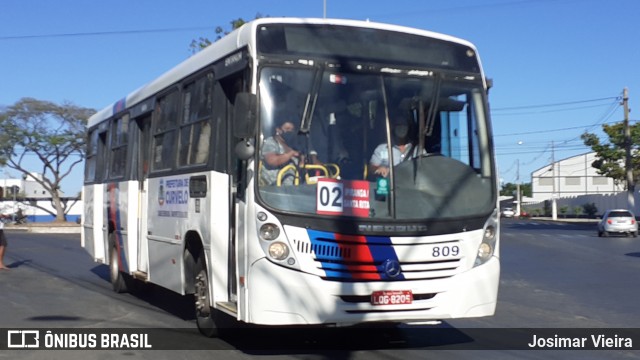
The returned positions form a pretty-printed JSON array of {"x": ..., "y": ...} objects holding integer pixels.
[{"x": 281, "y": 296}]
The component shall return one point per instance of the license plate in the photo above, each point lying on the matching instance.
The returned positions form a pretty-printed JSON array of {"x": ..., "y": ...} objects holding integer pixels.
[{"x": 397, "y": 297}]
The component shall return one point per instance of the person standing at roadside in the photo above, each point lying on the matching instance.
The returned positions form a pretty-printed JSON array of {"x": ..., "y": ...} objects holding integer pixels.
[{"x": 3, "y": 247}]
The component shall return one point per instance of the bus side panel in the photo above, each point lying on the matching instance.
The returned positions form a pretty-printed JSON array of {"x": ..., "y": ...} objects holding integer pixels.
[
  {"x": 143, "y": 241},
  {"x": 131, "y": 225},
  {"x": 219, "y": 242},
  {"x": 87, "y": 238},
  {"x": 168, "y": 199}
]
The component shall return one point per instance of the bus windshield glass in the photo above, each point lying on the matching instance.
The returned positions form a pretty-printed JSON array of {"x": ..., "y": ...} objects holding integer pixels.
[{"x": 328, "y": 139}]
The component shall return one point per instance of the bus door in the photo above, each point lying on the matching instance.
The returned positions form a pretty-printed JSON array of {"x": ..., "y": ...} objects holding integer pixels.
[
  {"x": 141, "y": 174},
  {"x": 93, "y": 198},
  {"x": 222, "y": 178}
]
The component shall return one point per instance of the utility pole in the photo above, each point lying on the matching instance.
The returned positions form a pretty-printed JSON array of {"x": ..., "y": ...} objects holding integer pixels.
[
  {"x": 631, "y": 185},
  {"x": 518, "y": 198},
  {"x": 554, "y": 204}
]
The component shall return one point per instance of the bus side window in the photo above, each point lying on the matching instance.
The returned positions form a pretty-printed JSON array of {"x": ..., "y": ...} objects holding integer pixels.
[
  {"x": 164, "y": 139},
  {"x": 102, "y": 156},
  {"x": 92, "y": 157},
  {"x": 119, "y": 142},
  {"x": 195, "y": 130}
]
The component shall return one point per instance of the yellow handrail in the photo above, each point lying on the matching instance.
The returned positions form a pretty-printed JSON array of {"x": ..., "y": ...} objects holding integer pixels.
[
  {"x": 308, "y": 179},
  {"x": 336, "y": 173},
  {"x": 296, "y": 179}
]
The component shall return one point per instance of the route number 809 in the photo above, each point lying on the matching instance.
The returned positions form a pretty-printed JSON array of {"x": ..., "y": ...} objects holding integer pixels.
[{"x": 445, "y": 251}]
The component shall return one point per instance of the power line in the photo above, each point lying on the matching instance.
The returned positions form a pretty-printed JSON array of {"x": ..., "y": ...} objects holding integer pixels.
[
  {"x": 548, "y": 131},
  {"x": 537, "y": 106},
  {"x": 546, "y": 111},
  {"x": 103, "y": 33},
  {"x": 200, "y": 28}
]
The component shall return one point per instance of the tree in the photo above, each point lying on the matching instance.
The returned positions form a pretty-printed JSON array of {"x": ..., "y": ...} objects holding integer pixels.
[
  {"x": 203, "y": 42},
  {"x": 577, "y": 210},
  {"x": 54, "y": 134},
  {"x": 610, "y": 156},
  {"x": 564, "y": 209},
  {"x": 509, "y": 189},
  {"x": 590, "y": 209}
]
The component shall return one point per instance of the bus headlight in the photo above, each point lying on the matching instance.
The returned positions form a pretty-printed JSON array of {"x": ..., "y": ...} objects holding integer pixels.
[
  {"x": 484, "y": 251},
  {"x": 269, "y": 232},
  {"x": 278, "y": 251},
  {"x": 488, "y": 244}
]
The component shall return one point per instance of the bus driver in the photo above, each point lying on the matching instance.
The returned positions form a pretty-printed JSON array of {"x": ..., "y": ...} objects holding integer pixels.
[{"x": 402, "y": 148}]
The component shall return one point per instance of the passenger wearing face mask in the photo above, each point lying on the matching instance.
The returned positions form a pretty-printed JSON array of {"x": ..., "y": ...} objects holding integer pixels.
[
  {"x": 402, "y": 148},
  {"x": 279, "y": 151}
]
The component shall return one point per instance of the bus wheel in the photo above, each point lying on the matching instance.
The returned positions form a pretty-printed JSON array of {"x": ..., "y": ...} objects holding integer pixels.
[
  {"x": 205, "y": 315},
  {"x": 117, "y": 277}
]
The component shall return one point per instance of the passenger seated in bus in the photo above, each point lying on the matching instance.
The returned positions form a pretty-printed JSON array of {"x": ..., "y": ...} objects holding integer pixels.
[
  {"x": 278, "y": 151},
  {"x": 403, "y": 148}
]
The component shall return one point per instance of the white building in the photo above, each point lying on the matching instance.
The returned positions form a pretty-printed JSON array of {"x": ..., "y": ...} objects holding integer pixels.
[
  {"x": 571, "y": 177},
  {"x": 22, "y": 193},
  {"x": 25, "y": 187},
  {"x": 576, "y": 183}
]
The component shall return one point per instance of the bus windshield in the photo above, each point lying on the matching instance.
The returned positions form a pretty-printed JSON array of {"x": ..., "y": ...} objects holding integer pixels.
[{"x": 391, "y": 144}]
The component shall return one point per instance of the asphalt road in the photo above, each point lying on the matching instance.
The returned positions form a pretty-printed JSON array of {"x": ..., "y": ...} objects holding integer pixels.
[{"x": 554, "y": 275}]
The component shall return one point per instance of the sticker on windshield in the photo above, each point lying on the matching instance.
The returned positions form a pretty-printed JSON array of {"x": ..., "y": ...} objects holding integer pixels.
[{"x": 335, "y": 197}]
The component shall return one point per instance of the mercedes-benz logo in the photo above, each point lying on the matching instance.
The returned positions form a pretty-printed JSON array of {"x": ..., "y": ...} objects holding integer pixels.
[{"x": 391, "y": 268}]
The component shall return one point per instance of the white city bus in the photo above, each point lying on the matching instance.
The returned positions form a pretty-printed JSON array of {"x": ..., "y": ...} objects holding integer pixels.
[{"x": 175, "y": 195}]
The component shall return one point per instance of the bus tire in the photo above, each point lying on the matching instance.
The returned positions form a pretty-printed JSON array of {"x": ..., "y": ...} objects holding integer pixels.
[
  {"x": 205, "y": 314},
  {"x": 118, "y": 281}
]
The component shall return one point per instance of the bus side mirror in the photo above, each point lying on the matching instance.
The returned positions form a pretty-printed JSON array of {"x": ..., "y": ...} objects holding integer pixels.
[
  {"x": 244, "y": 124},
  {"x": 244, "y": 119}
]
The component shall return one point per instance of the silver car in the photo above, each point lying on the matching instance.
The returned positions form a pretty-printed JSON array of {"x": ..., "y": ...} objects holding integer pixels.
[
  {"x": 508, "y": 213},
  {"x": 618, "y": 221}
]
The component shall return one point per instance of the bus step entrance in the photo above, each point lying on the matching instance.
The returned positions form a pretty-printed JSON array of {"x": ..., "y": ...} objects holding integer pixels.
[
  {"x": 140, "y": 275},
  {"x": 228, "y": 307}
]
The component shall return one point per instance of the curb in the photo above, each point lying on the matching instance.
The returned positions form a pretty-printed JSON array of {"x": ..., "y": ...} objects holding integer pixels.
[{"x": 45, "y": 229}]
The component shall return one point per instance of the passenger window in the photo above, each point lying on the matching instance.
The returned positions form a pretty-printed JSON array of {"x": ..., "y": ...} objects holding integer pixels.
[
  {"x": 119, "y": 136},
  {"x": 164, "y": 138},
  {"x": 195, "y": 130},
  {"x": 92, "y": 156}
]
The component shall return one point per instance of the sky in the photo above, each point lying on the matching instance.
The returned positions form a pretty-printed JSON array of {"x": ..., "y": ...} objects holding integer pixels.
[{"x": 558, "y": 66}]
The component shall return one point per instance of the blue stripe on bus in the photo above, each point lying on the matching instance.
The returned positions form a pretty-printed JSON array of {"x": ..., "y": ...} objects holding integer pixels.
[{"x": 353, "y": 257}]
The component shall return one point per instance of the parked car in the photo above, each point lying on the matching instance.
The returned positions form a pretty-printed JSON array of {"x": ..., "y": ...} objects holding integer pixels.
[
  {"x": 618, "y": 221},
  {"x": 508, "y": 212}
]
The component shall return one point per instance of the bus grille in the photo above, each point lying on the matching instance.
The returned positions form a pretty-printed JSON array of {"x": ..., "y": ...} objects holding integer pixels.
[{"x": 347, "y": 260}]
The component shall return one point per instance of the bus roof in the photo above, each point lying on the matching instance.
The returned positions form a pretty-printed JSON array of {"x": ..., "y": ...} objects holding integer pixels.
[{"x": 238, "y": 39}]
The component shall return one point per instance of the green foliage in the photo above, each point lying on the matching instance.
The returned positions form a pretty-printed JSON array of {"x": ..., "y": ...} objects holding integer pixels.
[
  {"x": 564, "y": 209},
  {"x": 610, "y": 156},
  {"x": 202, "y": 42},
  {"x": 52, "y": 133},
  {"x": 577, "y": 210},
  {"x": 590, "y": 209},
  {"x": 509, "y": 189}
]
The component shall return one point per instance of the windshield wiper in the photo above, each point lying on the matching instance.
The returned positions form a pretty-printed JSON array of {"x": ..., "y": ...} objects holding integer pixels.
[
  {"x": 392, "y": 181},
  {"x": 426, "y": 124},
  {"x": 312, "y": 99}
]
